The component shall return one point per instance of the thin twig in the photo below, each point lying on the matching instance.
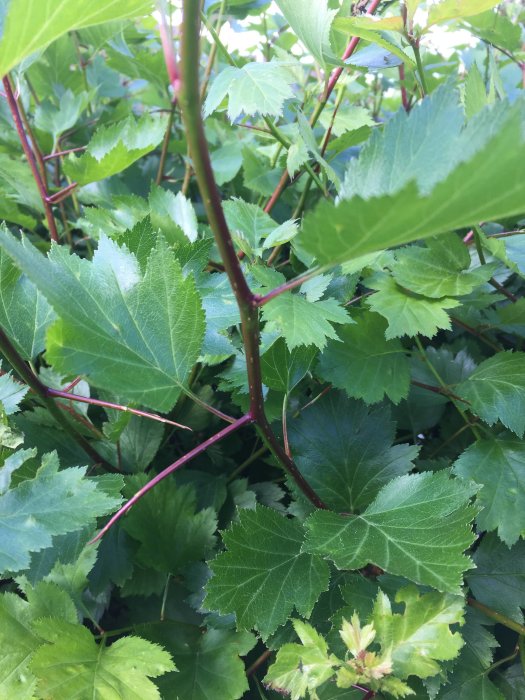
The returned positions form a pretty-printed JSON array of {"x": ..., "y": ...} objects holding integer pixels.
[
  {"x": 202, "y": 447},
  {"x": 497, "y": 616}
]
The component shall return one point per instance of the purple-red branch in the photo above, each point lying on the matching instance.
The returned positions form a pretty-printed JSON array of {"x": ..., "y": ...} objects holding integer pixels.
[{"x": 173, "y": 467}]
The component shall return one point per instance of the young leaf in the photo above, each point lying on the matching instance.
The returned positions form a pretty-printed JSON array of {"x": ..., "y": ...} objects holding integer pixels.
[
  {"x": 11, "y": 393},
  {"x": 417, "y": 527},
  {"x": 30, "y": 25},
  {"x": 52, "y": 503},
  {"x": 499, "y": 577},
  {"x": 448, "y": 195},
  {"x": 496, "y": 390},
  {"x": 499, "y": 465},
  {"x": 365, "y": 364},
  {"x": 256, "y": 88},
  {"x": 375, "y": 30},
  {"x": 263, "y": 574},
  {"x": 283, "y": 369},
  {"x": 24, "y": 313},
  {"x": 407, "y": 313},
  {"x": 248, "y": 221},
  {"x": 454, "y": 9},
  {"x": 302, "y": 322},
  {"x": 114, "y": 148},
  {"x": 136, "y": 336},
  {"x": 311, "y": 21},
  {"x": 74, "y": 665},
  {"x": 345, "y": 451},
  {"x": 170, "y": 531}
]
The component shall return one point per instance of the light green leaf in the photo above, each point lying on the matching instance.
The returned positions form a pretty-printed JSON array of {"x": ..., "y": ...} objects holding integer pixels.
[
  {"x": 302, "y": 322},
  {"x": 11, "y": 393},
  {"x": 345, "y": 451},
  {"x": 497, "y": 29},
  {"x": 488, "y": 185},
  {"x": 440, "y": 269},
  {"x": 30, "y": 25},
  {"x": 114, "y": 148},
  {"x": 170, "y": 210},
  {"x": 499, "y": 577},
  {"x": 407, "y": 313},
  {"x": 248, "y": 221},
  {"x": 296, "y": 157},
  {"x": 13, "y": 462},
  {"x": 171, "y": 532},
  {"x": 263, "y": 575},
  {"x": 303, "y": 667},
  {"x": 283, "y": 369},
  {"x": 74, "y": 665},
  {"x": 52, "y": 503},
  {"x": 499, "y": 466},
  {"x": 24, "y": 312},
  {"x": 457, "y": 9},
  {"x": 375, "y": 31},
  {"x": 417, "y": 527},
  {"x": 282, "y": 234},
  {"x": 256, "y": 88},
  {"x": 135, "y": 335},
  {"x": 56, "y": 120},
  {"x": 496, "y": 390},
  {"x": 475, "y": 93},
  {"x": 419, "y": 637},
  {"x": 311, "y": 21},
  {"x": 365, "y": 364}
]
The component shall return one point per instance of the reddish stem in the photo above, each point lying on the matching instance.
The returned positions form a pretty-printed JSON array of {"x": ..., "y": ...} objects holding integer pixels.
[
  {"x": 117, "y": 407},
  {"x": 404, "y": 96},
  {"x": 59, "y": 154},
  {"x": 169, "y": 55},
  {"x": 261, "y": 300},
  {"x": 173, "y": 467},
  {"x": 13, "y": 106},
  {"x": 59, "y": 196}
]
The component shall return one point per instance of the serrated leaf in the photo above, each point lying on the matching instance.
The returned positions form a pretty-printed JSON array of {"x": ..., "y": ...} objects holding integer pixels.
[
  {"x": 24, "y": 313},
  {"x": 419, "y": 637},
  {"x": 375, "y": 30},
  {"x": 475, "y": 93},
  {"x": 256, "y": 88},
  {"x": 448, "y": 194},
  {"x": 417, "y": 527},
  {"x": 345, "y": 451},
  {"x": 52, "y": 503},
  {"x": 135, "y": 335},
  {"x": 168, "y": 209},
  {"x": 171, "y": 532},
  {"x": 311, "y": 21},
  {"x": 263, "y": 575},
  {"x": 30, "y": 25},
  {"x": 496, "y": 29},
  {"x": 499, "y": 466},
  {"x": 496, "y": 390},
  {"x": 302, "y": 322},
  {"x": 11, "y": 464},
  {"x": 440, "y": 269},
  {"x": 456, "y": 9},
  {"x": 114, "y": 148},
  {"x": 57, "y": 120},
  {"x": 248, "y": 221},
  {"x": 74, "y": 665},
  {"x": 283, "y": 369},
  {"x": 11, "y": 393},
  {"x": 407, "y": 313},
  {"x": 365, "y": 364},
  {"x": 208, "y": 664},
  {"x": 499, "y": 577}
]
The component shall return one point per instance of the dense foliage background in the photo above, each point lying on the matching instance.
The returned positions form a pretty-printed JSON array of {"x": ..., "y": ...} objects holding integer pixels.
[{"x": 310, "y": 381}]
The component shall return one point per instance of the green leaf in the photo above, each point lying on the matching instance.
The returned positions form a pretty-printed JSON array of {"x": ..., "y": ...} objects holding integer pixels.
[
  {"x": 248, "y": 222},
  {"x": 11, "y": 393},
  {"x": 302, "y": 322},
  {"x": 169, "y": 211},
  {"x": 475, "y": 93},
  {"x": 496, "y": 390},
  {"x": 263, "y": 574},
  {"x": 407, "y": 313},
  {"x": 311, "y": 21},
  {"x": 440, "y": 269},
  {"x": 499, "y": 577},
  {"x": 56, "y": 120},
  {"x": 303, "y": 667},
  {"x": 30, "y": 25},
  {"x": 499, "y": 466},
  {"x": 456, "y": 9},
  {"x": 345, "y": 451},
  {"x": 171, "y": 532},
  {"x": 114, "y": 148},
  {"x": 208, "y": 663},
  {"x": 375, "y": 30},
  {"x": 136, "y": 336},
  {"x": 52, "y": 503},
  {"x": 495, "y": 28},
  {"x": 24, "y": 312},
  {"x": 256, "y": 88},
  {"x": 487, "y": 185},
  {"x": 74, "y": 665},
  {"x": 365, "y": 364},
  {"x": 417, "y": 527},
  {"x": 283, "y": 369},
  {"x": 421, "y": 635}
]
